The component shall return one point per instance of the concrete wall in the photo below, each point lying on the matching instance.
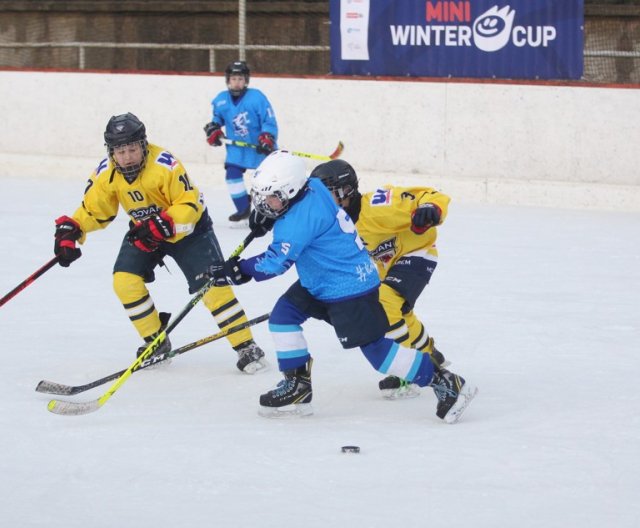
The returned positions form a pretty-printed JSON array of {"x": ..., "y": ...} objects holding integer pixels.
[{"x": 493, "y": 143}]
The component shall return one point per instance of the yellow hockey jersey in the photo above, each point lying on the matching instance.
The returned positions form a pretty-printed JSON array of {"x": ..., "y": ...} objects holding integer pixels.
[
  {"x": 384, "y": 223},
  {"x": 162, "y": 185}
]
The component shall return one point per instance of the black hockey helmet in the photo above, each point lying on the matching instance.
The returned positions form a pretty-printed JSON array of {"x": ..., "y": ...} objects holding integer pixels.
[
  {"x": 238, "y": 68},
  {"x": 125, "y": 129},
  {"x": 339, "y": 177}
]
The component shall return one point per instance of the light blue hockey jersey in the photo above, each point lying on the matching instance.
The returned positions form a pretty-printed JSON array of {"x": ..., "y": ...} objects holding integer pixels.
[
  {"x": 321, "y": 240},
  {"x": 244, "y": 120}
]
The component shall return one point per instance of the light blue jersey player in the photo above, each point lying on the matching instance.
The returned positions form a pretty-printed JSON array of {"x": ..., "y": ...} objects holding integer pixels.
[
  {"x": 337, "y": 283},
  {"x": 246, "y": 115}
]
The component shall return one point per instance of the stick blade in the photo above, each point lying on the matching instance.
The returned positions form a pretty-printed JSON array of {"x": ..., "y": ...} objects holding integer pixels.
[
  {"x": 51, "y": 387},
  {"x": 67, "y": 408},
  {"x": 336, "y": 153}
]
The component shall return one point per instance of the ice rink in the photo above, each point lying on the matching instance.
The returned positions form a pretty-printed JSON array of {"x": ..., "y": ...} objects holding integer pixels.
[{"x": 539, "y": 307}]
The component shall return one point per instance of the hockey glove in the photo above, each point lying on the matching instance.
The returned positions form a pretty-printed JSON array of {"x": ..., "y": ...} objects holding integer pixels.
[
  {"x": 259, "y": 224},
  {"x": 67, "y": 233},
  {"x": 425, "y": 216},
  {"x": 214, "y": 134},
  {"x": 266, "y": 143},
  {"x": 229, "y": 274},
  {"x": 148, "y": 234}
]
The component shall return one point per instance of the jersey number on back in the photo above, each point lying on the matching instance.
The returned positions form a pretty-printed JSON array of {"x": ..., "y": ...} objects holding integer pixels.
[{"x": 347, "y": 226}]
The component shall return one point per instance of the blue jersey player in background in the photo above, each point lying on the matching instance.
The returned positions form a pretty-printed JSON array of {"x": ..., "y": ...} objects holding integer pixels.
[
  {"x": 246, "y": 115},
  {"x": 337, "y": 283}
]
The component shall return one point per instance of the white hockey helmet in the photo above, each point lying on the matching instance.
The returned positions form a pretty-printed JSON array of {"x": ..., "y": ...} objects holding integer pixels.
[{"x": 282, "y": 175}]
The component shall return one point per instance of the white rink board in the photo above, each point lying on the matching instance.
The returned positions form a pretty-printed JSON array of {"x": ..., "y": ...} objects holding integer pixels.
[{"x": 561, "y": 146}]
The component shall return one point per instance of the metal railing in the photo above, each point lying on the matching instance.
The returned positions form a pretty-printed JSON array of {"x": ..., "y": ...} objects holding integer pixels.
[
  {"x": 211, "y": 48},
  {"x": 612, "y": 53}
]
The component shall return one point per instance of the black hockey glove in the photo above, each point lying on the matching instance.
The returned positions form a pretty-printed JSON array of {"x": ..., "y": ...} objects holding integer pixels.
[
  {"x": 148, "y": 234},
  {"x": 214, "y": 134},
  {"x": 266, "y": 143},
  {"x": 67, "y": 233},
  {"x": 425, "y": 216},
  {"x": 259, "y": 224},
  {"x": 229, "y": 274}
]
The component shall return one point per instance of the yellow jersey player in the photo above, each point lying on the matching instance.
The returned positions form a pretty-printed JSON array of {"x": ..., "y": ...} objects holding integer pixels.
[
  {"x": 398, "y": 228},
  {"x": 168, "y": 217}
]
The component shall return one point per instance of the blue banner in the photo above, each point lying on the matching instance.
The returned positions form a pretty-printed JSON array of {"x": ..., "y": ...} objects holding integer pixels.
[{"x": 505, "y": 39}]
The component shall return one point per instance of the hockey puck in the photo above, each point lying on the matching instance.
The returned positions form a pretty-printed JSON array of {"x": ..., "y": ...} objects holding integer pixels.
[{"x": 350, "y": 449}]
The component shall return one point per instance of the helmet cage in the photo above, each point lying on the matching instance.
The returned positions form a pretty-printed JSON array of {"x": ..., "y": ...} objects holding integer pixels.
[
  {"x": 130, "y": 172},
  {"x": 342, "y": 193},
  {"x": 260, "y": 204}
]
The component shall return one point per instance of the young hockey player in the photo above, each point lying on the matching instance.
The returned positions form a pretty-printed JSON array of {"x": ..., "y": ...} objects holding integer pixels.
[
  {"x": 246, "y": 115},
  {"x": 398, "y": 228},
  {"x": 338, "y": 283},
  {"x": 168, "y": 217}
]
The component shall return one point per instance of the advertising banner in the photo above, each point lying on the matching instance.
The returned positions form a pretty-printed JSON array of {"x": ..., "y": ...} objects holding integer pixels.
[{"x": 506, "y": 39}]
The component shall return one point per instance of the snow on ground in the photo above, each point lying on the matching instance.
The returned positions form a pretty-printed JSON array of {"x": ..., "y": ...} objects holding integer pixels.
[{"x": 539, "y": 307}]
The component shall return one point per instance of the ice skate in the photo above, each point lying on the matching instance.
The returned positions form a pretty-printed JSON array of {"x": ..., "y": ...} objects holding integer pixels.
[
  {"x": 437, "y": 357},
  {"x": 250, "y": 358},
  {"x": 240, "y": 219},
  {"x": 291, "y": 397},
  {"x": 454, "y": 394},
  {"x": 395, "y": 388},
  {"x": 156, "y": 359}
]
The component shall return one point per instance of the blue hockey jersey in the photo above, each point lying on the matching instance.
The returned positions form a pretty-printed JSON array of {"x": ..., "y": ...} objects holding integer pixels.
[
  {"x": 321, "y": 240},
  {"x": 244, "y": 120}
]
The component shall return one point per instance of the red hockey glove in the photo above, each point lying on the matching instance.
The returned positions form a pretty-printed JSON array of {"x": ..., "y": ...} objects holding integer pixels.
[
  {"x": 148, "y": 234},
  {"x": 266, "y": 143},
  {"x": 67, "y": 233},
  {"x": 214, "y": 134},
  {"x": 425, "y": 216}
]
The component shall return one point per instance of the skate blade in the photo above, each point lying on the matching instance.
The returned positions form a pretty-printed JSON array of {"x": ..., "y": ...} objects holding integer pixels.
[
  {"x": 240, "y": 224},
  {"x": 402, "y": 393},
  {"x": 288, "y": 411},
  {"x": 261, "y": 365},
  {"x": 467, "y": 394}
]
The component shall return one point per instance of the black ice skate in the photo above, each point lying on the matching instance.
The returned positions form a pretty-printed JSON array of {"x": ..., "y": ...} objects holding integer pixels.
[
  {"x": 250, "y": 357},
  {"x": 239, "y": 216},
  {"x": 160, "y": 357},
  {"x": 292, "y": 396},
  {"x": 454, "y": 394},
  {"x": 437, "y": 357},
  {"x": 395, "y": 388}
]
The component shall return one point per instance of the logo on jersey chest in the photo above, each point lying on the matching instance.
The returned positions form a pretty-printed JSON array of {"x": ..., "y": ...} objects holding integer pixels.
[
  {"x": 166, "y": 158},
  {"x": 385, "y": 251},
  {"x": 144, "y": 212},
  {"x": 241, "y": 124}
]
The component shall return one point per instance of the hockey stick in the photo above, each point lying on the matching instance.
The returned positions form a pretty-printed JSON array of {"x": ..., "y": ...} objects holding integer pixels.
[
  {"x": 335, "y": 154},
  {"x": 68, "y": 408},
  {"x": 28, "y": 281},
  {"x": 51, "y": 387}
]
